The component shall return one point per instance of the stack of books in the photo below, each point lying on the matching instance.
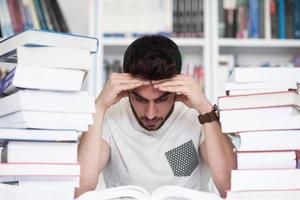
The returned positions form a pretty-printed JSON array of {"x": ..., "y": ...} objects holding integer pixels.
[
  {"x": 43, "y": 112},
  {"x": 262, "y": 107}
]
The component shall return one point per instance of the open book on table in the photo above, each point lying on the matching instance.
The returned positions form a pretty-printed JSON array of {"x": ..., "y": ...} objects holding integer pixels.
[{"x": 139, "y": 193}]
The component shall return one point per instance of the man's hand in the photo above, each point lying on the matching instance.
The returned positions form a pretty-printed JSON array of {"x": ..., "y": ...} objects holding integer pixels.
[
  {"x": 188, "y": 90},
  {"x": 116, "y": 88}
]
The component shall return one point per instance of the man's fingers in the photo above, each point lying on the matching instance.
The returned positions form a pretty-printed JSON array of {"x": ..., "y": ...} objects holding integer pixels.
[
  {"x": 174, "y": 89},
  {"x": 171, "y": 83}
]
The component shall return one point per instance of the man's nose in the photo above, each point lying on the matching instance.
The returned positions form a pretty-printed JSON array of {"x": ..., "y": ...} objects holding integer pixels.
[{"x": 151, "y": 111}]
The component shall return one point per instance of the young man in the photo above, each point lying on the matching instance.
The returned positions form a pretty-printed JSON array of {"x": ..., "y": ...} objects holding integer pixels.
[{"x": 154, "y": 126}]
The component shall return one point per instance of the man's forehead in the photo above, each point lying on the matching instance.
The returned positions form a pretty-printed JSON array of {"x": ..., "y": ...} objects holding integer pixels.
[{"x": 149, "y": 92}]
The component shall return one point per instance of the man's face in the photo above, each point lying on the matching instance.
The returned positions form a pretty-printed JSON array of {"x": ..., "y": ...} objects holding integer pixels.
[{"x": 151, "y": 106}]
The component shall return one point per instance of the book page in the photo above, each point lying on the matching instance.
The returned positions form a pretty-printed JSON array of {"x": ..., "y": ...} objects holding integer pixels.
[
  {"x": 130, "y": 191},
  {"x": 168, "y": 191}
]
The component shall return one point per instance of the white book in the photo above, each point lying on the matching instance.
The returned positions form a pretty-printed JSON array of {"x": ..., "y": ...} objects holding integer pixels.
[
  {"x": 257, "y": 91},
  {"x": 264, "y": 195},
  {"x": 20, "y": 177},
  {"x": 48, "y": 183},
  {"x": 40, "y": 152},
  {"x": 232, "y": 86},
  {"x": 270, "y": 140},
  {"x": 34, "y": 37},
  {"x": 38, "y": 169},
  {"x": 79, "y": 102},
  {"x": 53, "y": 57},
  {"x": 259, "y": 100},
  {"x": 258, "y": 113},
  {"x": 24, "y": 116},
  {"x": 237, "y": 88},
  {"x": 266, "y": 160},
  {"x": 277, "y": 179},
  {"x": 38, "y": 135},
  {"x": 261, "y": 124},
  {"x": 80, "y": 127},
  {"x": 43, "y": 79},
  {"x": 17, "y": 192},
  {"x": 265, "y": 74},
  {"x": 139, "y": 193}
]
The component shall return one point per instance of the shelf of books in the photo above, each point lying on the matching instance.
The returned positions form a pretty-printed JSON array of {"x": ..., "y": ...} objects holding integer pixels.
[{"x": 253, "y": 34}]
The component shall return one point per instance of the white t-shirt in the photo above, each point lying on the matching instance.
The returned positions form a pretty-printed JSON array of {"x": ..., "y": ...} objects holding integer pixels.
[{"x": 151, "y": 159}]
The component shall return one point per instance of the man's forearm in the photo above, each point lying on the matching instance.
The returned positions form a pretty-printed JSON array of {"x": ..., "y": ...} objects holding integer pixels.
[
  {"x": 220, "y": 155},
  {"x": 89, "y": 154}
]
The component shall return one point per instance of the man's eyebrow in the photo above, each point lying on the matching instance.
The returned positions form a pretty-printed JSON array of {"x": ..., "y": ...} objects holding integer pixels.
[
  {"x": 137, "y": 95},
  {"x": 162, "y": 96}
]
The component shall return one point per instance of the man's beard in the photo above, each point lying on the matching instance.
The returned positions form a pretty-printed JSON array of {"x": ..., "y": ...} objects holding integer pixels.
[{"x": 140, "y": 121}]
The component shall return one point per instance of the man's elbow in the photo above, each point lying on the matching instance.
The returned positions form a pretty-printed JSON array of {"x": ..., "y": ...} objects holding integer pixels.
[{"x": 84, "y": 188}]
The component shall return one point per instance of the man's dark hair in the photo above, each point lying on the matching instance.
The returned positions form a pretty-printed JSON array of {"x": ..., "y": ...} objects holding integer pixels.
[{"x": 153, "y": 57}]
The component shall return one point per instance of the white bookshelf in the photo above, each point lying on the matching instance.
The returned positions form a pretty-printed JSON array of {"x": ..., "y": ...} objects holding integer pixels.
[{"x": 249, "y": 52}]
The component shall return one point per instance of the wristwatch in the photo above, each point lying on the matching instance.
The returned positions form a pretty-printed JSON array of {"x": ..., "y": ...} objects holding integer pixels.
[{"x": 213, "y": 115}]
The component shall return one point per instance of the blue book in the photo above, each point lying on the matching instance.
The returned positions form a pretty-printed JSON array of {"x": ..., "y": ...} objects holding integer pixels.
[
  {"x": 254, "y": 19},
  {"x": 281, "y": 19},
  {"x": 6, "y": 82},
  {"x": 296, "y": 18}
]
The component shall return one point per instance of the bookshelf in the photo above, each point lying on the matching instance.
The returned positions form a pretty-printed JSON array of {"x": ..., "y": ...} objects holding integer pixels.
[{"x": 247, "y": 51}]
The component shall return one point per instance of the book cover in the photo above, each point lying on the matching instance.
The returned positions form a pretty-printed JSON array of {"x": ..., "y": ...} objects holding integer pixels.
[
  {"x": 276, "y": 140},
  {"x": 33, "y": 37},
  {"x": 47, "y": 101}
]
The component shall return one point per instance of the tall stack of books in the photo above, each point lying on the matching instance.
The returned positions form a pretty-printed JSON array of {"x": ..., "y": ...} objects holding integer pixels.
[
  {"x": 42, "y": 113},
  {"x": 262, "y": 107}
]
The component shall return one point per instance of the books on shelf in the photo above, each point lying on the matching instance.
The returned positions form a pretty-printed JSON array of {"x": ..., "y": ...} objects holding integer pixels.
[
  {"x": 20, "y": 15},
  {"x": 47, "y": 101},
  {"x": 272, "y": 179},
  {"x": 139, "y": 193},
  {"x": 34, "y": 152},
  {"x": 259, "y": 19},
  {"x": 42, "y": 79},
  {"x": 259, "y": 100},
  {"x": 7, "y": 134},
  {"x": 270, "y": 140},
  {"x": 266, "y": 160}
]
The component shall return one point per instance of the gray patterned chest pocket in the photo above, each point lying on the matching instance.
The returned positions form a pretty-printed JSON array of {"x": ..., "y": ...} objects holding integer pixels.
[{"x": 183, "y": 159}]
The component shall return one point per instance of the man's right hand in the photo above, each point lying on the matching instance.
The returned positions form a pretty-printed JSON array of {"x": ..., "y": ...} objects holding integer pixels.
[{"x": 117, "y": 87}]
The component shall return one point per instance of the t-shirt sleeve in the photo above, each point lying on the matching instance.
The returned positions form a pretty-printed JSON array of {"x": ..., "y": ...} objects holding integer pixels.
[{"x": 106, "y": 132}]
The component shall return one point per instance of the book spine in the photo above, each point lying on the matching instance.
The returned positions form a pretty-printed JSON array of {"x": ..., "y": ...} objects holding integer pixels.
[
  {"x": 281, "y": 19},
  {"x": 59, "y": 16},
  {"x": 7, "y": 81},
  {"x": 296, "y": 18},
  {"x": 274, "y": 18},
  {"x": 40, "y": 14}
]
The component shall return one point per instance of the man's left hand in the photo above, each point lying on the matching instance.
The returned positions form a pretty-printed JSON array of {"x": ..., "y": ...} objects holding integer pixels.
[{"x": 188, "y": 91}]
